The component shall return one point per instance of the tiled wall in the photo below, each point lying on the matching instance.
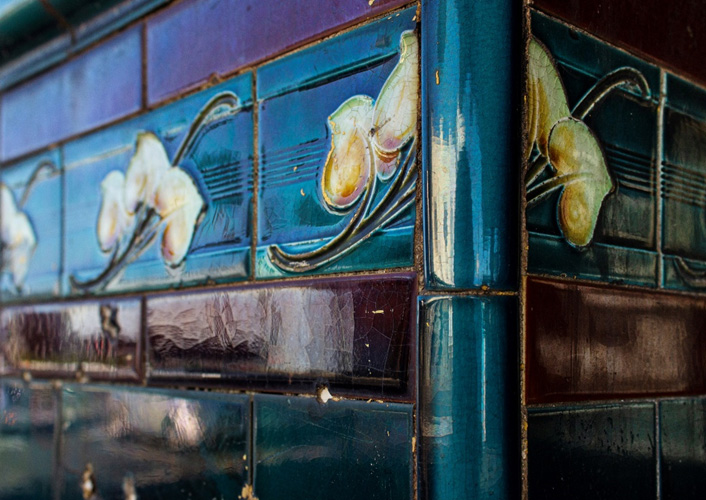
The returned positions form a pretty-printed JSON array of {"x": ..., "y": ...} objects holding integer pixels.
[
  {"x": 613, "y": 290},
  {"x": 259, "y": 249}
]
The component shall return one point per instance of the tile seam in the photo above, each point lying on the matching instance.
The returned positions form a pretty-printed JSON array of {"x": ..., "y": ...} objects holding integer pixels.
[{"x": 659, "y": 230}]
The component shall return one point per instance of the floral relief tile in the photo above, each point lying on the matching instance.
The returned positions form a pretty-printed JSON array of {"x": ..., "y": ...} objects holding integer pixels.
[
  {"x": 337, "y": 149},
  {"x": 30, "y": 220},
  {"x": 591, "y": 182},
  {"x": 101, "y": 339},
  {"x": 164, "y": 199}
]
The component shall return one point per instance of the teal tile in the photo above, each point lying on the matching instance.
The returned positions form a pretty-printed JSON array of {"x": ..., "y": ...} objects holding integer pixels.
[
  {"x": 468, "y": 398},
  {"x": 27, "y": 424},
  {"x": 340, "y": 449},
  {"x": 31, "y": 215},
  {"x": 155, "y": 443},
  {"x": 336, "y": 182},
  {"x": 604, "y": 227},
  {"x": 168, "y": 241}
]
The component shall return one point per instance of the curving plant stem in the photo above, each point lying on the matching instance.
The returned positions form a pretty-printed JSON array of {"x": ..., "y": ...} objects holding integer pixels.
[
  {"x": 692, "y": 277},
  {"x": 45, "y": 164},
  {"x": 362, "y": 225}
]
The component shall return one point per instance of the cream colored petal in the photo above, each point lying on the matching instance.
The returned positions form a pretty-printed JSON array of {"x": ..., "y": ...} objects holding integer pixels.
[
  {"x": 179, "y": 232},
  {"x": 146, "y": 168},
  {"x": 348, "y": 165},
  {"x": 8, "y": 209},
  {"x": 176, "y": 189},
  {"x": 19, "y": 249},
  {"x": 113, "y": 218},
  {"x": 395, "y": 113}
]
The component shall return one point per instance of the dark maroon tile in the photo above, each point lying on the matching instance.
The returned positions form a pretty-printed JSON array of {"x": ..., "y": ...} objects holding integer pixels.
[
  {"x": 101, "y": 339},
  {"x": 354, "y": 334},
  {"x": 195, "y": 39},
  {"x": 673, "y": 33},
  {"x": 597, "y": 342}
]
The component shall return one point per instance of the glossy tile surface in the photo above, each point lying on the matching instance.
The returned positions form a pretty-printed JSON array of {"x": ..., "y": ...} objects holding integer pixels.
[
  {"x": 31, "y": 222},
  {"x": 27, "y": 417},
  {"x": 355, "y": 334},
  {"x": 166, "y": 241},
  {"x": 603, "y": 452},
  {"x": 468, "y": 397},
  {"x": 342, "y": 449},
  {"x": 683, "y": 448},
  {"x": 594, "y": 342},
  {"x": 573, "y": 228},
  {"x": 102, "y": 339},
  {"x": 101, "y": 85},
  {"x": 468, "y": 123},
  {"x": 319, "y": 192},
  {"x": 167, "y": 444}
]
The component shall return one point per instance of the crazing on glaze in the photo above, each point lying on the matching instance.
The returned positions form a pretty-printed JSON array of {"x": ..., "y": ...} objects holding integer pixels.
[
  {"x": 372, "y": 140},
  {"x": 562, "y": 151}
]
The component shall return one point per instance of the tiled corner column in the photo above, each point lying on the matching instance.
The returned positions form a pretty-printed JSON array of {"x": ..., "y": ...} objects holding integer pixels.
[{"x": 467, "y": 321}]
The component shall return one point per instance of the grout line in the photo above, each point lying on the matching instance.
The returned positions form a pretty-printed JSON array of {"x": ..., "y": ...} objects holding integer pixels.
[
  {"x": 659, "y": 236},
  {"x": 57, "y": 466},
  {"x": 254, "y": 199},
  {"x": 658, "y": 452},
  {"x": 251, "y": 443}
]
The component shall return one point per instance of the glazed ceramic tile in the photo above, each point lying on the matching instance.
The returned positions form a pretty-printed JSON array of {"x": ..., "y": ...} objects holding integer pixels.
[
  {"x": 102, "y": 339},
  {"x": 101, "y": 85},
  {"x": 304, "y": 449},
  {"x": 684, "y": 187},
  {"x": 596, "y": 342},
  {"x": 354, "y": 334},
  {"x": 337, "y": 139},
  {"x": 591, "y": 182},
  {"x": 683, "y": 448},
  {"x": 153, "y": 444},
  {"x": 27, "y": 417},
  {"x": 468, "y": 397},
  {"x": 469, "y": 119},
  {"x": 165, "y": 199},
  {"x": 181, "y": 39},
  {"x": 592, "y": 452},
  {"x": 30, "y": 216}
]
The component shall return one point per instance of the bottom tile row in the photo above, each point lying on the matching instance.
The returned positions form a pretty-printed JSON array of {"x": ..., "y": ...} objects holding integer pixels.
[
  {"x": 88, "y": 442},
  {"x": 620, "y": 451}
]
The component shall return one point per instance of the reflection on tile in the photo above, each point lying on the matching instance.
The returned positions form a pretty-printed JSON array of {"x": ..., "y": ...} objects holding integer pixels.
[
  {"x": 189, "y": 223},
  {"x": 468, "y": 400},
  {"x": 592, "y": 452},
  {"x": 181, "y": 39},
  {"x": 332, "y": 196},
  {"x": 614, "y": 239},
  {"x": 31, "y": 222},
  {"x": 27, "y": 418},
  {"x": 683, "y": 447},
  {"x": 596, "y": 342},
  {"x": 355, "y": 334},
  {"x": 101, "y": 85},
  {"x": 342, "y": 449},
  {"x": 166, "y": 444},
  {"x": 102, "y": 339}
]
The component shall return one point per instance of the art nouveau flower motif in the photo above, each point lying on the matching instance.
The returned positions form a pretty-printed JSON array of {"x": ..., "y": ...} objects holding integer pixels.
[
  {"x": 113, "y": 218},
  {"x": 145, "y": 171},
  {"x": 17, "y": 235}
]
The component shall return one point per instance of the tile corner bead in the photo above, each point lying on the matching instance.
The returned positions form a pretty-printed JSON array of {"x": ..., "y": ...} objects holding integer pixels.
[{"x": 468, "y": 397}]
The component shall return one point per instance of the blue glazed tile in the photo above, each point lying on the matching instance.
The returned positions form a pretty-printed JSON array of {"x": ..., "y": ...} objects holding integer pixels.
[
  {"x": 31, "y": 213},
  {"x": 328, "y": 202},
  {"x": 304, "y": 449},
  {"x": 613, "y": 236},
  {"x": 99, "y": 86},
  {"x": 468, "y": 398},
  {"x": 592, "y": 452},
  {"x": 27, "y": 423},
  {"x": 684, "y": 186},
  {"x": 683, "y": 448},
  {"x": 468, "y": 120},
  {"x": 196, "y": 227},
  {"x": 155, "y": 444},
  {"x": 102, "y": 340},
  {"x": 35, "y": 61},
  {"x": 360, "y": 342},
  {"x": 181, "y": 40}
]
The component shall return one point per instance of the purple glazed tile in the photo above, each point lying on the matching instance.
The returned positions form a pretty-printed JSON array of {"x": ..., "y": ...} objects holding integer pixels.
[
  {"x": 354, "y": 334},
  {"x": 97, "y": 87},
  {"x": 102, "y": 339},
  {"x": 195, "y": 39}
]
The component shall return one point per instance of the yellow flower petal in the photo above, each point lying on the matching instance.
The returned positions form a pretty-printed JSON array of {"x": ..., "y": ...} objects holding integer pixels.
[
  {"x": 113, "y": 218},
  {"x": 176, "y": 189},
  {"x": 19, "y": 249},
  {"x": 179, "y": 232},
  {"x": 145, "y": 171}
]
